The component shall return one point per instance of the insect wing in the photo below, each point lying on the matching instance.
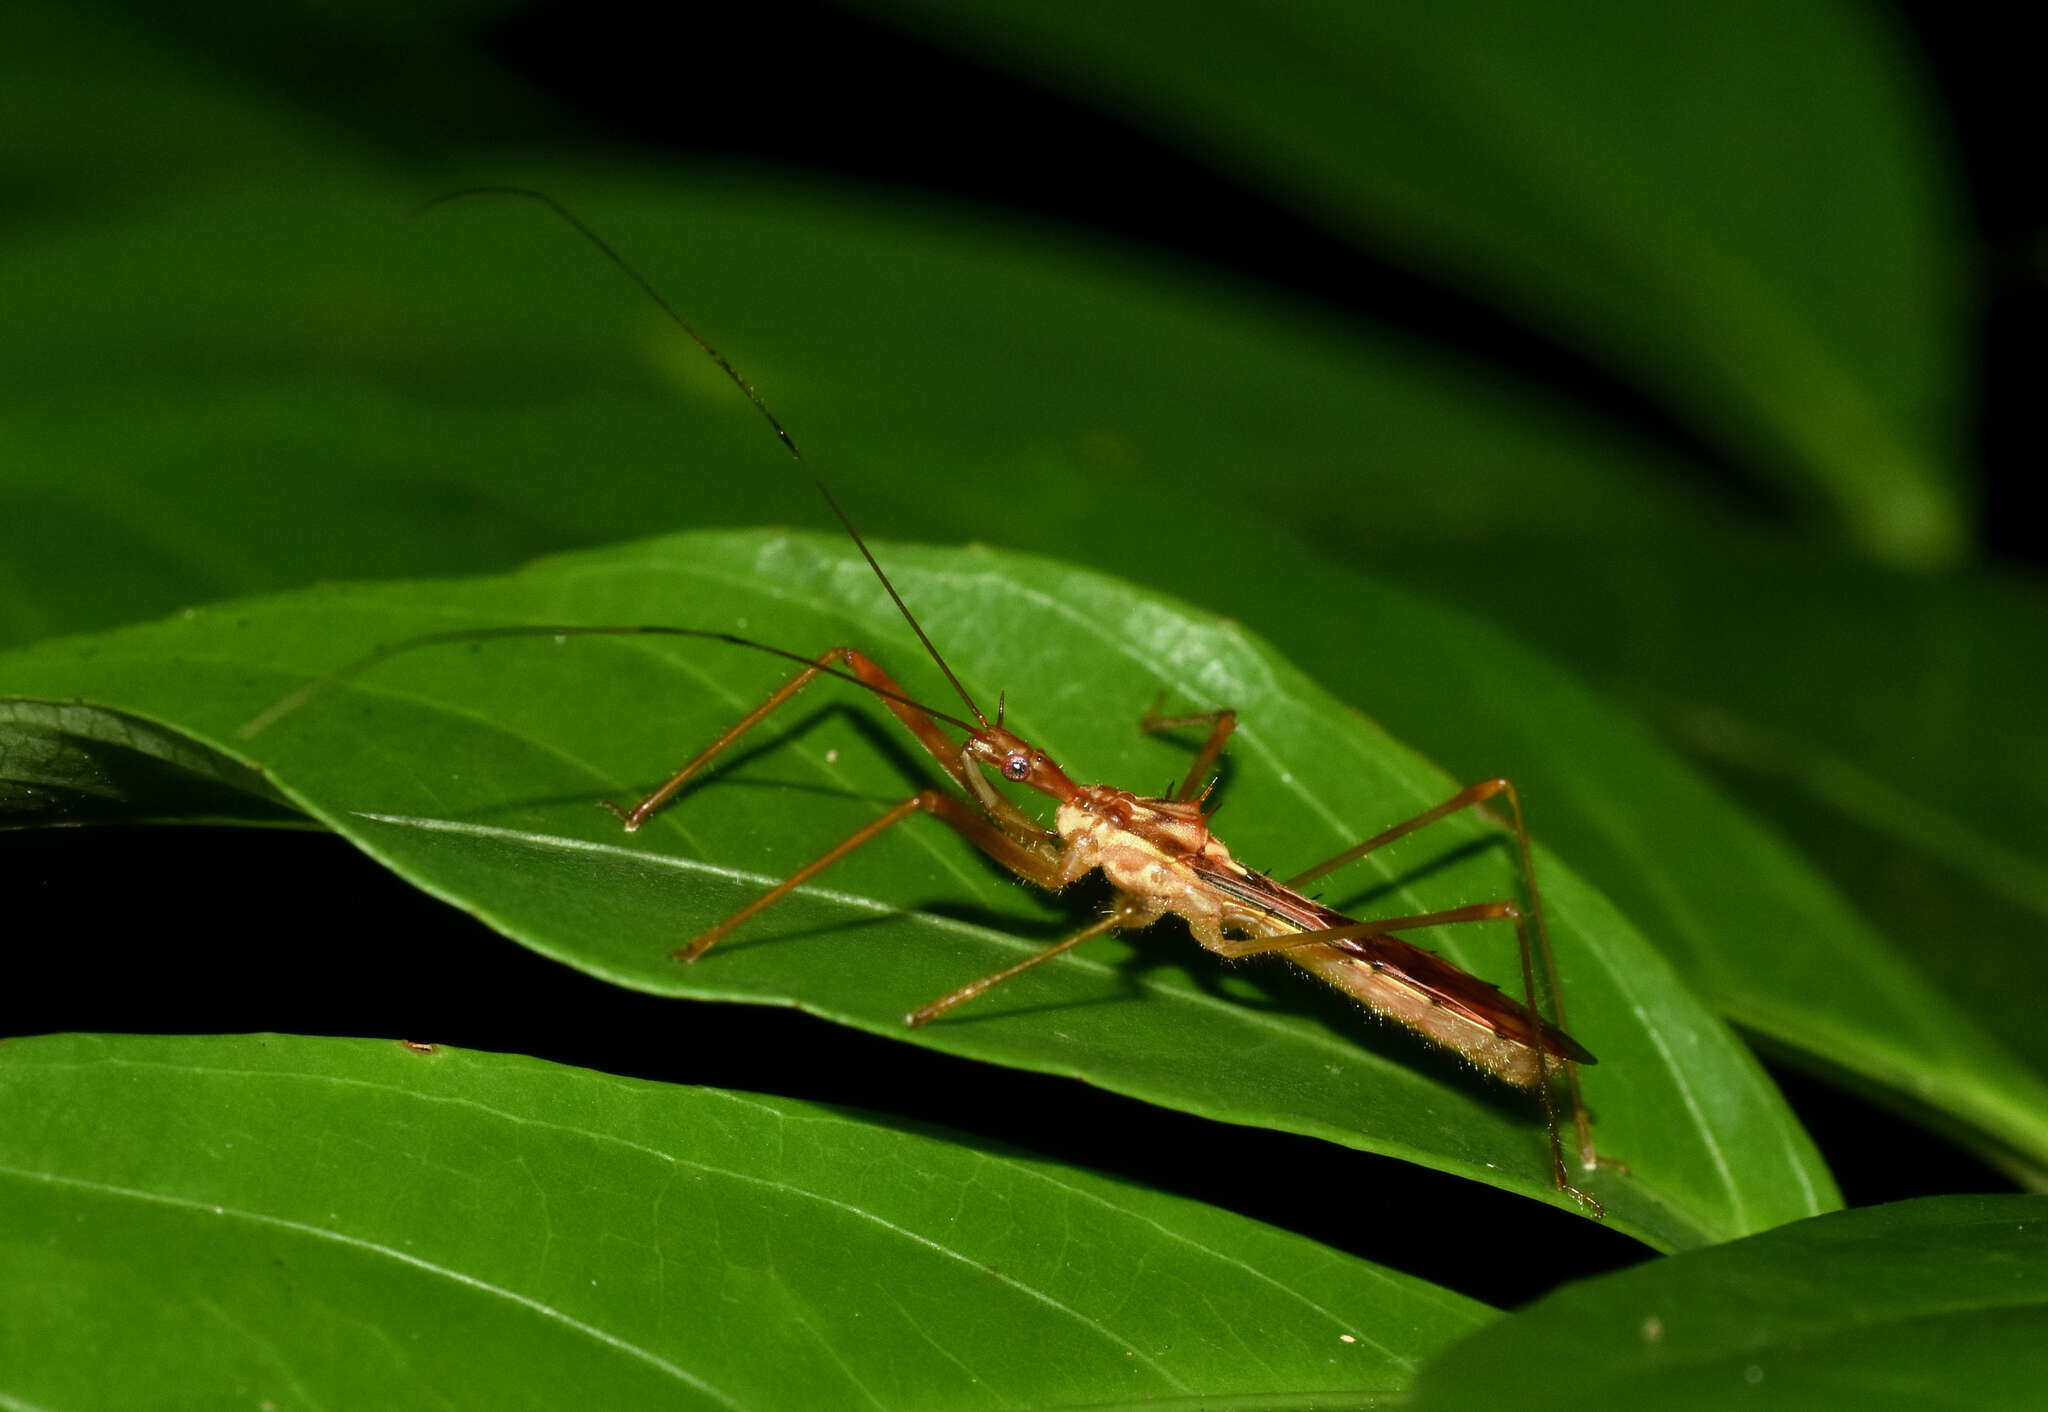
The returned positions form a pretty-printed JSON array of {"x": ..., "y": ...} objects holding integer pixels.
[{"x": 1466, "y": 995}]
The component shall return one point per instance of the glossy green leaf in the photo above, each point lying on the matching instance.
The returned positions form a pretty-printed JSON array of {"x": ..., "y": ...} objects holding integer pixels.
[
  {"x": 296, "y": 1223},
  {"x": 1707, "y": 197},
  {"x": 1941, "y": 1302},
  {"x": 472, "y": 772}
]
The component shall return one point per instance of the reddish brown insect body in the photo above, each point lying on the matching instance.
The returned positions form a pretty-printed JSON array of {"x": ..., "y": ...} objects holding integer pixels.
[{"x": 1161, "y": 859}]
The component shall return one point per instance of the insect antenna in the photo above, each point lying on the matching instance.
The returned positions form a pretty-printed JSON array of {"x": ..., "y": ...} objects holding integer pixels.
[
  {"x": 278, "y": 710},
  {"x": 626, "y": 267}
]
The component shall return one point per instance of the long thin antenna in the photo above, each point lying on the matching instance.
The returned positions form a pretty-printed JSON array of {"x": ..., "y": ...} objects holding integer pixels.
[
  {"x": 626, "y": 267},
  {"x": 278, "y": 710}
]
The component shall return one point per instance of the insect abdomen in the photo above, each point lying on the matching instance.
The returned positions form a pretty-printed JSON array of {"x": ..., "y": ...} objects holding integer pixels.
[{"x": 1385, "y": 992}]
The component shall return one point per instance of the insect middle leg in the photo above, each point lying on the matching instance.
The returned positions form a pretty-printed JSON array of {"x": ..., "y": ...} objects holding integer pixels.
[
  {"x": 1041, "y": 865},
  {"x": 1221, "y": 724}
]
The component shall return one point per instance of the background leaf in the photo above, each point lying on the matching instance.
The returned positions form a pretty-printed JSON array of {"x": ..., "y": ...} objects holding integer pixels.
[
  {"x": 307, "y": 1223},
  {"x": 1665, "y": 189},
  {"x": 1938, "y": 1302},
  {"x": 472, "y": 772}
]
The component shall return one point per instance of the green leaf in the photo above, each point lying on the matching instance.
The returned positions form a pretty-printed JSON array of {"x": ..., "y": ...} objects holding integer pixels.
[
  {"x": 295, "y": 1223},
  {"x": 472, "y": 772},
  {"x": 1705, "y": 198},
  {"x": 1935, "y": 1303}
]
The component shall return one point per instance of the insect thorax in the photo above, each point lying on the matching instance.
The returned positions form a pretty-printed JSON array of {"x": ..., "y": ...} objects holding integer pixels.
[{"x": 1146, "y": 849}]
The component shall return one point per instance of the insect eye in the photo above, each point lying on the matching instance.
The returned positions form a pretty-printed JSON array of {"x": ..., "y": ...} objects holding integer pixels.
[{"x": 1016, "y": 767}]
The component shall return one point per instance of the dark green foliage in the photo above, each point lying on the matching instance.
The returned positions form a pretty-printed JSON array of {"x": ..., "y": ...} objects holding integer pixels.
[{"x": 232, "y": 369}]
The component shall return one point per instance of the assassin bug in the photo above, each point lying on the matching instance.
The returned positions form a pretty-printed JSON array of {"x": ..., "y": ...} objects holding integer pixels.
[{"x": 1157, "y": 853}]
